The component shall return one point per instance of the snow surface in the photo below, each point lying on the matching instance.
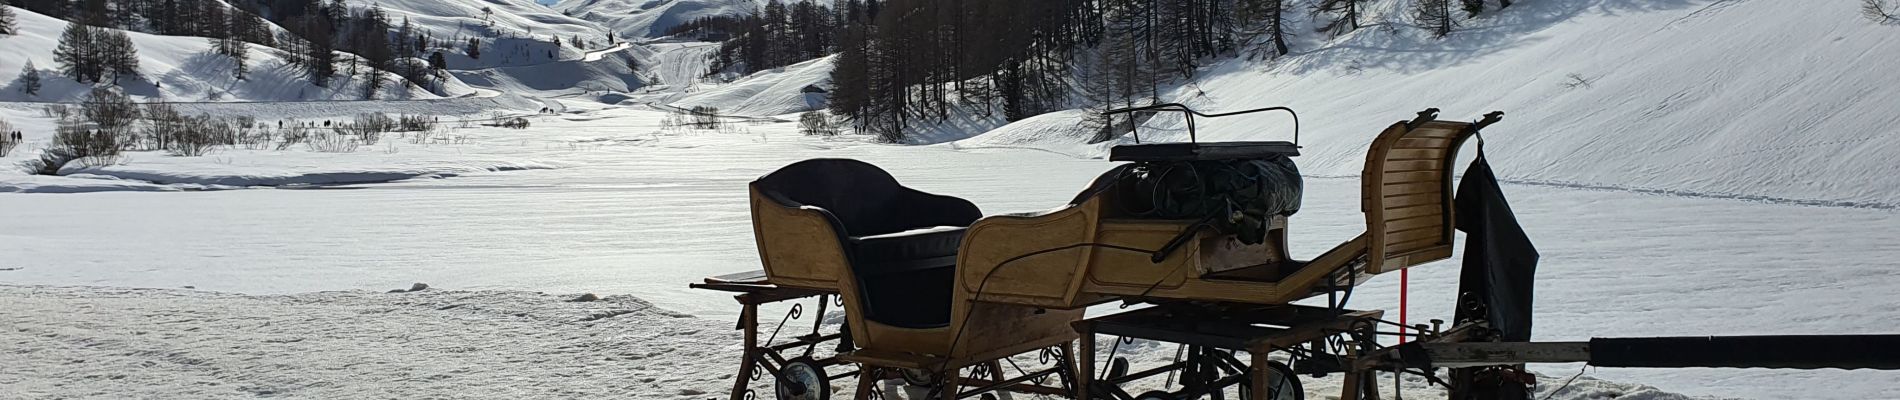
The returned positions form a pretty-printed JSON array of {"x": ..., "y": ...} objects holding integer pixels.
[
  {"x": 101, "y": 342},
  {"x": 639, "y": 210},
  {"x": 181, "y": 69},
  {"x": 766, "y": 93},
  {"x": 1739, "y": 185}
]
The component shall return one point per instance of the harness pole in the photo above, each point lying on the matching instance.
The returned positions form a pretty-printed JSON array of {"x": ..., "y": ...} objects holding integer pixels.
[{"x": 1405, "y": 278}]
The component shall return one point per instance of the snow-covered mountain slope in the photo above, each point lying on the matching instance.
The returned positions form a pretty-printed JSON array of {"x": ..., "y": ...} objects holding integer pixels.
[
  {"x": 1782, "y": 100},
  {"x": 606, "y": 72},
  {"x": 647, "y": 18},
  {"x": 183, "y": 69},
  {"x": 513, "y": 32},
  {"x": 774, "y": 92}
]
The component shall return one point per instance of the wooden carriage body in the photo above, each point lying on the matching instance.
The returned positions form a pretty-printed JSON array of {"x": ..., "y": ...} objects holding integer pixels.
[{"x": 1406, "y": 197}]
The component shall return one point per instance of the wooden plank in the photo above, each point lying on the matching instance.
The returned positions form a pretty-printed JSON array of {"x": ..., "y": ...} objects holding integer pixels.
[
  {"x": 1408, "y": 200},
  {"x": 1461, "y": 355},
  {"x": 1431, "y": 233},
  {"x": 1410, "y": 188},
  {"x": 1408, "y": 177},
  {"x": 1424, "y": 143},
  {"x": 1392, "y": 213},
  {"x": 1410, "y": 246},
  {"x": 1438, "y": 129},
  {"x": 1413, "y": 154},
  {"x": 1414, "y": 165},
  {"x": 1413, "y": 223}
]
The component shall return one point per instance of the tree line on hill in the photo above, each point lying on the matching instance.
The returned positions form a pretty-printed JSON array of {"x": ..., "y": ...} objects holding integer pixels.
[
  {"x": 903, "y": 62},
  {"x": 322, "y": 39}
]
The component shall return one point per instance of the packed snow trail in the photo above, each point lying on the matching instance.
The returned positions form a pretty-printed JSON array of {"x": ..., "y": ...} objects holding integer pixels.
[
  {"x": 112, "y": 343},
  {"x": 596, "y": 55},
  {"x": 681, "y": 65}
]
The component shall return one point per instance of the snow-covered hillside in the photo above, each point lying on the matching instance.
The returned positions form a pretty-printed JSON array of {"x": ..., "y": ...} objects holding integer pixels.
[
  {"x": 1781, "y": 100},
  {"x": 648, "y": 18},
  {"x": 513, "y": 32},
  {"x": 602, "y": 71},
  {"x": 766, "y": 93},
  {"x": 182, "y": 69}
]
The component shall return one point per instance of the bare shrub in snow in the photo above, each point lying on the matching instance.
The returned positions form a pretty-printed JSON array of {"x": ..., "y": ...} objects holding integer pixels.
[
  {"x": 9, "y": 138},
  {"x": 72, "y": 142},
  {"x": 260, "y": 139},
  {"x": 705, "y": 117},
  {"x": 60, "y": 112},
  {"x": 368, "y": 128},
  {"x": 1881, "y": 11},
  {"x": 331, "y": 142},
  {"x": 164, "y": 124},
  {"x": 109, "y": 109},
  {"x": 816, "y": 123},
  {"x": 415, "y": 123},
  {"x": 197, "y": 136},
  {"x": 510, "y": 122},
  {"x": 292, "y": 135}
]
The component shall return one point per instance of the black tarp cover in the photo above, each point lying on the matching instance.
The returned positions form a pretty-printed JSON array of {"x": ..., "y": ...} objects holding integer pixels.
[{"x": 1499, "y": 260}]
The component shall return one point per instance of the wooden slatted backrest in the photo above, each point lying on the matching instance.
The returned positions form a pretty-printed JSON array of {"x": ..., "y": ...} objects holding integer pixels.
[{"x": 1407, "y": 193}]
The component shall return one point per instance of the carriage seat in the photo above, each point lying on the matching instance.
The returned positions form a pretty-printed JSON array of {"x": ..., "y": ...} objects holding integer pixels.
[{"x": 900, "y": 244}]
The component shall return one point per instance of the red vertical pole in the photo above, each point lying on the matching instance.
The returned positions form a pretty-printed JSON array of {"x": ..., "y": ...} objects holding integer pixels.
[{"x": 1405, "y": 278}]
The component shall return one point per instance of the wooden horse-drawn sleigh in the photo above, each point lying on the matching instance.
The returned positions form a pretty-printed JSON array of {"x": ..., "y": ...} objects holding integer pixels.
[{"x": 1195, "y": 234}]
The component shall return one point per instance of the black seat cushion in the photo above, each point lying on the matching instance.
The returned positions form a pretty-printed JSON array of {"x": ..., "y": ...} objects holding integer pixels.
[
  {"x": 907, "y": 276},
  {"x": 924, "y": 245},
  {"x": 901, "y": 242},
  {"x": 865, "y": 199}
]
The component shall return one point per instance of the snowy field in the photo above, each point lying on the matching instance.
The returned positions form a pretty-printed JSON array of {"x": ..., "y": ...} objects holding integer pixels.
[{"x": 627, "y": 208}]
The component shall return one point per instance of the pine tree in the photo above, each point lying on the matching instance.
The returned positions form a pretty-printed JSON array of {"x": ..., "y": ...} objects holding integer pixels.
[
  {"x": 1270, "y": 15},
  {"x": 239, "y": 52},
  {"x": 320, "y": 61},
  {"x": 95, "y": 12},
  {"x": 120, "y": 57},
  {"x": 30, "y": 79},
  {"x": 212, "y": 22},
  {"x": 372, "y": 82},
  {"x": 1473, "y": 7},
  {"x": 1347, "y": 19},
  {"x": 474, "y": 48},
  {"x": 77, "y": 53},
  {"x": 7, "y": 24},
  {"x": 1434, "y": 16}
]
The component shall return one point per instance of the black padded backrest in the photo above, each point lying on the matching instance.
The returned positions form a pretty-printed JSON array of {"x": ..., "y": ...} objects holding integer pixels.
[{"x": 864, "y": 198}]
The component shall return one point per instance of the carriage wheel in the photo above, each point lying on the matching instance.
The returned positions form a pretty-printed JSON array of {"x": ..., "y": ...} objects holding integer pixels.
[
  {"x": 1283, "y": 385},
  {"x": 919, "y": 377},
  {"x": 802, "y": 380}
]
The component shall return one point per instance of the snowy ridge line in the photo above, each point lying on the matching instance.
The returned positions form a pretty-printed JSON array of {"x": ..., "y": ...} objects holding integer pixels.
[{"x": 1871, "y": 205}]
